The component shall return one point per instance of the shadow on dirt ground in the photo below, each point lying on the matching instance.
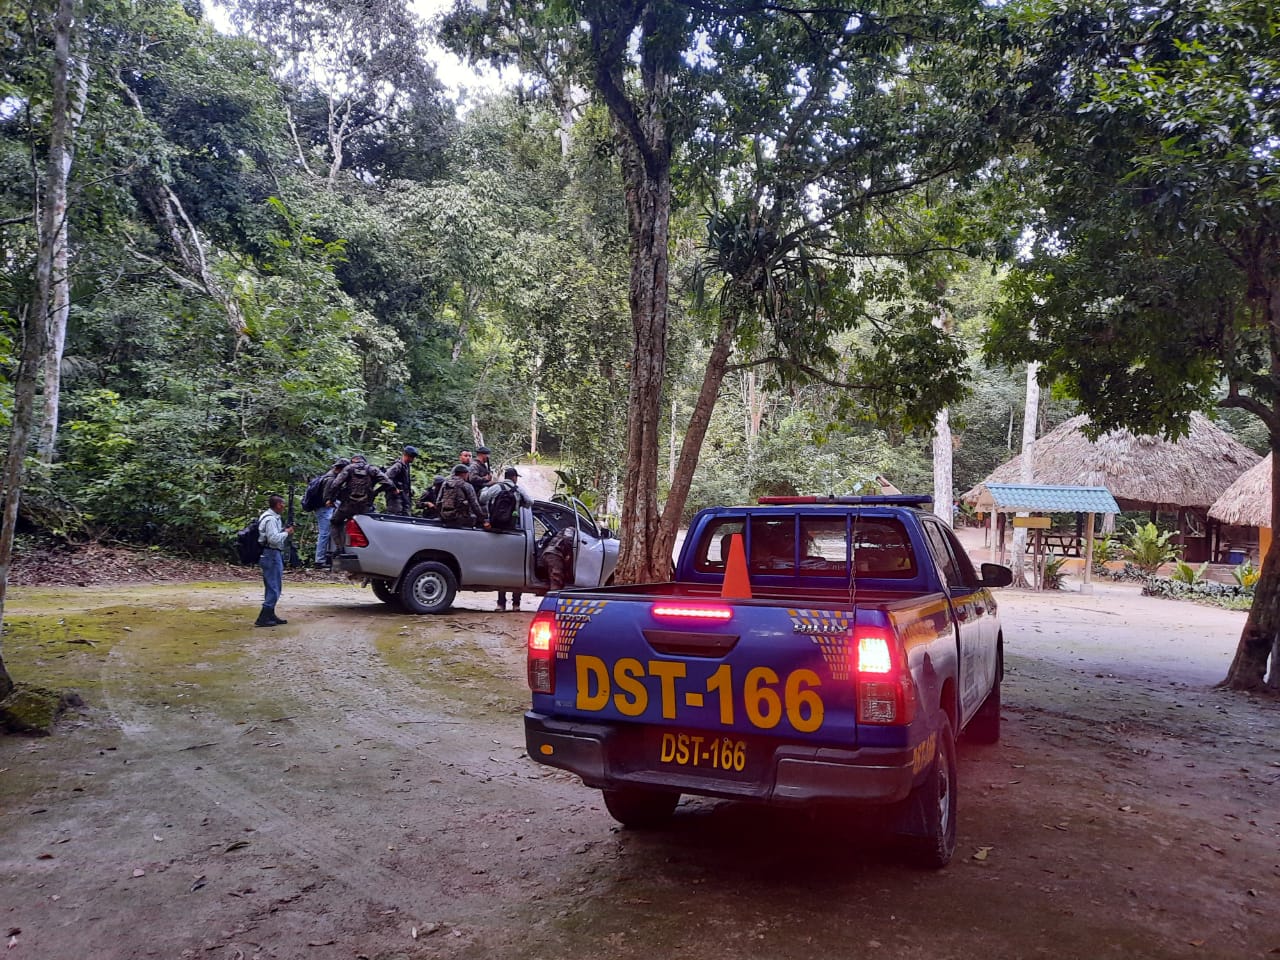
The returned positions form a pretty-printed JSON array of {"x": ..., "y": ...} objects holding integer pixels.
[{"x": 354, "y": 785}]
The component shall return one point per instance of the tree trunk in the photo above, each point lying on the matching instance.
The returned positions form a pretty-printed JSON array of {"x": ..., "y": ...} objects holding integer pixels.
[
  {"x": 1260, "y": 639},
  {"x": 942, "y": 482},
  {"x": 942, "y": 452},
  {"x": 36, "y": 319},
  {"x": 641, "y": 559},
  {"x": 696, "y": 432},
  {"x": 1030, "y": 417},
  {"x": 77, "y": 68}
]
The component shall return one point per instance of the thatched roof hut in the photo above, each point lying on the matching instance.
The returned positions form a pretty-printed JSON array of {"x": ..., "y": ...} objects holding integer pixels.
[
  {"x": 1141, "y": 472},
  {"x": 1247, "y": 502}
]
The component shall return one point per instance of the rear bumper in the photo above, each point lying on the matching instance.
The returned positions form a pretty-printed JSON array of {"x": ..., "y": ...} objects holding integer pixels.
[{"x": 793, "y": 774}]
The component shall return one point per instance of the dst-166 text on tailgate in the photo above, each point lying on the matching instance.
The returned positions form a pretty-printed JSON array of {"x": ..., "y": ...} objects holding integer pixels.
[{"x": 765, "y": 696}]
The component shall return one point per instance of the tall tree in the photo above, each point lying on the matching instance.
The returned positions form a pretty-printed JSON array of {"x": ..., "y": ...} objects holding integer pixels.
[
  {"x": 352, "y": 68},
  {"x": 36, "y": 319},
  {"x": 795, "y": 113},
  {"x": 1152, "y": 281}
]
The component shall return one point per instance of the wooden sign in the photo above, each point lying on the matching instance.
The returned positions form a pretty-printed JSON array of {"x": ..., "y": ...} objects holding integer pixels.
[{"x": 1035, "y": 523}]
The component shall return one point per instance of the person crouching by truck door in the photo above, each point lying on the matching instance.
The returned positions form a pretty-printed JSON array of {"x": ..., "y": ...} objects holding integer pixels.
[
  {"x": 400, "y": 473},
  {"x": 557, "y": 556},
  {"x": 273, "y": 536},
  {"x": 459, "y": 506}
]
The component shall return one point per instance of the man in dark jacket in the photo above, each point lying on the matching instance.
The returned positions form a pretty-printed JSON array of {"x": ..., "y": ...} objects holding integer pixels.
[
  {"x": 459, "y": 506},
  {"x": 480, "y": 473},
  {"x": 400, "y": 503},
  {"x": 429, "y": 502},
  {"x": 324, "y": 513},
  {"x": 353, "y": 491}
]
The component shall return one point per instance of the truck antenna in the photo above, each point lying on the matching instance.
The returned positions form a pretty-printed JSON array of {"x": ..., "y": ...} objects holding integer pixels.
[{"x": 853, "y": 557}]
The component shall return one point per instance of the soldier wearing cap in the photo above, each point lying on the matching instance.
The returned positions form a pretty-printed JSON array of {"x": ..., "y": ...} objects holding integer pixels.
[
  {"x": 480, "y": 473},
  {"x": 400, "y": 502}
]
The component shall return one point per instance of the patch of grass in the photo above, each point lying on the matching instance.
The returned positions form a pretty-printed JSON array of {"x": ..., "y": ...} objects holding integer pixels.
[
  {"x": 434, "y": 653},
  {"x": 169, "y": 654}
]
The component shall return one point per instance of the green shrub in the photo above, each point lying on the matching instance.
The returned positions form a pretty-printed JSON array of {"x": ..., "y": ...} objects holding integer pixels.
[
  {"x": 1246, "y": 574},
  {"x": 1149, "y": 548},
  {"x": 1185, "y": 573},
  {"x": 1053, "y": 575}
]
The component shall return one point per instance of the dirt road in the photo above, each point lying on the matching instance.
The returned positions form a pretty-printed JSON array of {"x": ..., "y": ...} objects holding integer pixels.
[{"x": 354, "y": 785}]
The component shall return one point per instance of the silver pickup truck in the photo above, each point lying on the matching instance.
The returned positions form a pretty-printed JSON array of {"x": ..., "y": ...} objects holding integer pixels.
[{"x": 422, "y": 564}]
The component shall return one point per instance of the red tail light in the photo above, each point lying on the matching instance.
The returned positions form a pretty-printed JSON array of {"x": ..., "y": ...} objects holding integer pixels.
[
  {"x": 543, "y": 633},
  {"x": 692, "y": 611},
  {"x": 886, "y": 693},
  {"x": 355, "y": 536}
]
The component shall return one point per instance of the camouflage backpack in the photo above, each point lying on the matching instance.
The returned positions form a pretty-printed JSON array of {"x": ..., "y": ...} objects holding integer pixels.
[
  {"x": 453, "y": 502},
  {"x": 359, "y": 485}
]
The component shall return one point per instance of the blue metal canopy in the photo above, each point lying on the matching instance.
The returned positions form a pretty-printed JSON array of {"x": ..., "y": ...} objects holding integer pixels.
[{"x": 1039, "y": 498}]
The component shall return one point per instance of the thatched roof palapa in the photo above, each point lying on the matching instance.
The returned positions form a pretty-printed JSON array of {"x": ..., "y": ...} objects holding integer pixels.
[
  {"x": 1141, "y": 472},
  {"x": 1247, "y": 502}
]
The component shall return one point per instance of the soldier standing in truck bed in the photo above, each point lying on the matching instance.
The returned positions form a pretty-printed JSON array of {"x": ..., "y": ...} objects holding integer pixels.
[
  {"x": 353, "y": 490},
  {"x": 400, "y": 473}
]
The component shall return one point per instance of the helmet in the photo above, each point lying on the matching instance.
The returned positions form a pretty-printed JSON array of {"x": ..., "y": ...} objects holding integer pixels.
[
  {"x": 510, "y": 473},
  {"x": 411, "y": 450},
  {"x": 342, "y": 463},
  {"x": 358, "y": 458},
  {"x": 460, "y": 469}
]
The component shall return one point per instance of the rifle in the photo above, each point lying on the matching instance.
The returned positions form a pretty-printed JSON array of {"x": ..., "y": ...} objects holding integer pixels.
[{"x": 294, "y": 560}]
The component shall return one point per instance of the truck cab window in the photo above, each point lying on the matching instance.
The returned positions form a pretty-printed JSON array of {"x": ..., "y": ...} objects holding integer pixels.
[
  {"x": 772, "y": 546},
  {"x": 948, "y": 565},
  {"x": 713, "y": 551},
  {"x": 824, "y": 547}
]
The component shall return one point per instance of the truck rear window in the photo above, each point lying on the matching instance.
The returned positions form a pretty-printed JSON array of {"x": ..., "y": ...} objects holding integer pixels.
[{"x": 811, "y": 546}]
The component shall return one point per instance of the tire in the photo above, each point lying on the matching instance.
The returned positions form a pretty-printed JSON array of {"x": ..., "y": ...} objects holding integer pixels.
[
  {"x": 639, "y": 807},
  {"x": 385, "y": 591},
  {"x": 428, "y": 587},
  {"x": 985, "y": 725},
  {"x": 936, "y": 800}
]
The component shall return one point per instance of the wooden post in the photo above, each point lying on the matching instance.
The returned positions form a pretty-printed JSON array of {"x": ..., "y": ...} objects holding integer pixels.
[
  {"x": 995, "y": 555},
  {"x": 1264, "y": 544},
  {"x": 1087, "y": 585}
]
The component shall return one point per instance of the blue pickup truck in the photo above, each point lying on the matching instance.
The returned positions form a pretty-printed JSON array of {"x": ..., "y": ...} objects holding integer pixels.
[{"x": 810, "y": 651}]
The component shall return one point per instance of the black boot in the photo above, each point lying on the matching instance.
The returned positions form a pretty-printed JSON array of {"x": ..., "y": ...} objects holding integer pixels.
[
  {"x": 276, "y": 621},
  {"x": 266, "y": 617}
]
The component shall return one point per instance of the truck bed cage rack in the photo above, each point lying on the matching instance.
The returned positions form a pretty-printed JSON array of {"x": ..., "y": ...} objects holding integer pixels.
[{"x": 881, "y": 499}]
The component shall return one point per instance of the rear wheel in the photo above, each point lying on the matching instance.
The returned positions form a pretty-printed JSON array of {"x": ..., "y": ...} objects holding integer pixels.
[
  {"x": 639, "y": 807},
  {"x": 428, "y": 587},
  {"x": 936, "y": 800},
  {"x": 384, "y": 590}
]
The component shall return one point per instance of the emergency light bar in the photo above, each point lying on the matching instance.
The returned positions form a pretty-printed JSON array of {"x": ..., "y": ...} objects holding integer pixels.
[{"x": 879, "y": 499}]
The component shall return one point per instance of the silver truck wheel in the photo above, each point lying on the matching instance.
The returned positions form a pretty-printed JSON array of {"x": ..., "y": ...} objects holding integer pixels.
[{"x": 428, "y": 587}]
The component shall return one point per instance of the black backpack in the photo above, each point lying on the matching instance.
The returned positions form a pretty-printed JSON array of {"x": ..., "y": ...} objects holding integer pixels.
[
  {"x": 313, "y": 499},
  {"x": 248, "y": 546},
  {"x": 359, "y": 485},
  {"x": 502, "y": 507},
  {"x": 453, "y": 502}
]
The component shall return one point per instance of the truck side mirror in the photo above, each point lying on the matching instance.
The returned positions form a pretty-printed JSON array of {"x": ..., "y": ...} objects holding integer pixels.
[{"x": 994, "y": 575}]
